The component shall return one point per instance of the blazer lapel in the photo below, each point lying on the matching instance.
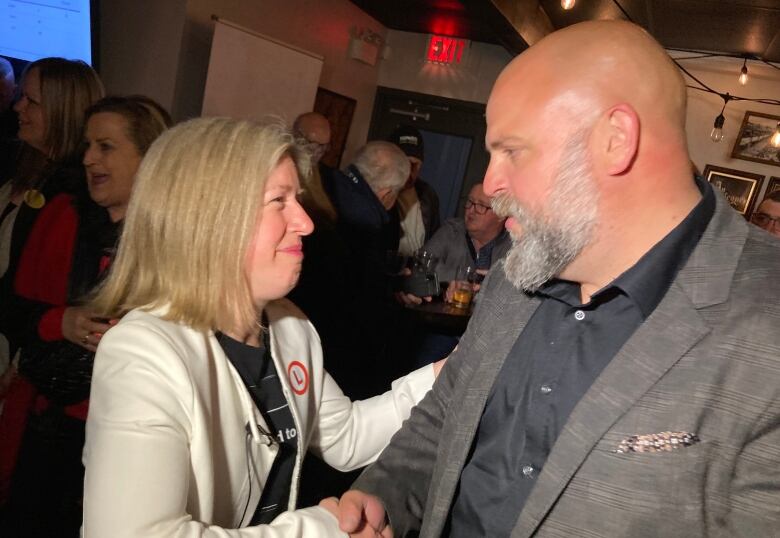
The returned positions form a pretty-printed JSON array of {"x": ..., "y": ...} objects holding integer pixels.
[
  {"x": 672, "y": 330},
  {"x": 493, "y": 330},
  {"x": 659, "y": 343}
]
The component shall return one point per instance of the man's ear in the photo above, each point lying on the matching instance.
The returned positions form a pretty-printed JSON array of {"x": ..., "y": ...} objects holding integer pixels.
[
  {"x": 618, "y": 139},
  {"x": 386, "y": 197}
]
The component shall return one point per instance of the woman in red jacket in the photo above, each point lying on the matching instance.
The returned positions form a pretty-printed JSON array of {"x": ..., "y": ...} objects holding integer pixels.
[
  {"x": 54, "y": 95},
  {"x": 69, "y": 247}
]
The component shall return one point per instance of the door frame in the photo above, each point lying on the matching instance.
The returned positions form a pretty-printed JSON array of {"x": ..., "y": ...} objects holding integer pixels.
[{"x": 439, "y": 114}]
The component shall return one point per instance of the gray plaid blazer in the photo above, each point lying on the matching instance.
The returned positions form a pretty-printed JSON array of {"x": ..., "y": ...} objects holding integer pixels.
[{"x": 707, "y": 361}]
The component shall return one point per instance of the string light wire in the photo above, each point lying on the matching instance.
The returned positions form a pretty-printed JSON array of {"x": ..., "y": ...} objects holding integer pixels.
[{"x": 704, "y": 87}]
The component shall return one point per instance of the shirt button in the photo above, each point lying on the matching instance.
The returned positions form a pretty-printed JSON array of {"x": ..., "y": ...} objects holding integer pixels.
[
  {"x": 528, "y": 471},
  {"x": 579, "y": 315},
  {"x": 545, "y": 389}
]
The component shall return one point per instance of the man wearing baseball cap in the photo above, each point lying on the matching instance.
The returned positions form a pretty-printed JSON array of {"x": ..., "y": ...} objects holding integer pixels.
[{"x": 418, "y": 203}]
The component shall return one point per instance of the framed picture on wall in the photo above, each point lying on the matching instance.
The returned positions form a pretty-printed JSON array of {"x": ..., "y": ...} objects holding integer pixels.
[
  {"x": 752, "y": 142},
  {"x": 339, "y": 110},
  {"x": 774, "y": 185},
  {"x": 740, "y": 188}
]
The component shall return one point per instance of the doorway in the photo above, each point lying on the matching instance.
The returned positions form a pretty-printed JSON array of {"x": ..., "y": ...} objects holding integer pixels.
[{"x": 453, "y": 134}]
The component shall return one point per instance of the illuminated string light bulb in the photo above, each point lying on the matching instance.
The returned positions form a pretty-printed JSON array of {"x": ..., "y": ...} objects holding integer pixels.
[
  {"x": 716, "y": 135},
  {"x": 743, "y": 74},
  {"x": 567, "y": 4},
  {"x": 775, "y": 140}
]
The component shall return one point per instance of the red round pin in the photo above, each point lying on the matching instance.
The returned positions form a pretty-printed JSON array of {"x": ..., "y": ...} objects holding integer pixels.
[{"x": 299, "y": 377}]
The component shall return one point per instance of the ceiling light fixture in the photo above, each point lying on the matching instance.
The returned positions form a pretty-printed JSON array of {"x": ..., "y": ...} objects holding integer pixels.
[
  {"x": 743, "y": 75},
  {"x": 567, "y": 4},
  {"x": 716, "y": 135}
]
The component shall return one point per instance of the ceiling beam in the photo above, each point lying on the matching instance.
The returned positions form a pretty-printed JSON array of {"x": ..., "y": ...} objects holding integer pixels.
[{"x": 527, "y": 17}]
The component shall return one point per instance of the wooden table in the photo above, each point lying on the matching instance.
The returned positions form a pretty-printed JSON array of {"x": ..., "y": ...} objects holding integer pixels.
[{"x": 440, "y": 316}]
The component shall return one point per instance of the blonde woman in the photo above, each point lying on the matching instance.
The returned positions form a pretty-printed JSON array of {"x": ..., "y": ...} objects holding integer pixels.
[{"x": 210, "y": 389}]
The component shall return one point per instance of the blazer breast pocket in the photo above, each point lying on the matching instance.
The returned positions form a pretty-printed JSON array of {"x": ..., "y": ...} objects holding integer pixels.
[{"x": 669, "y": 480}]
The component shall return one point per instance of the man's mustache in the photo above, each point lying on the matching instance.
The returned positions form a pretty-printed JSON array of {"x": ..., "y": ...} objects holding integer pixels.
[{"x": 504, "y": 206}]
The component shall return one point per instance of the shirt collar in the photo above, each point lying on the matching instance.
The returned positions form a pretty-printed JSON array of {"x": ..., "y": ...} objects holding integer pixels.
[
  {"x": 647, "y": 281},
  {"x": 489, "y": 245}
]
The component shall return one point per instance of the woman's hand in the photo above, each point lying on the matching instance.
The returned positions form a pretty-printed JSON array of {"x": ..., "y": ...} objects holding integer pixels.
[
  {"x": 82, "y": 327},
  {"x": 438, "y": 365}
]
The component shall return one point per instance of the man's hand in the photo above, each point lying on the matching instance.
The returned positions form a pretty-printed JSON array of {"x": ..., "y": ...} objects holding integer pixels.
[
  {"x": 450, "y": 291},
  {"x": 360, "y": 515},
  {"x": 410, "y": 299}
]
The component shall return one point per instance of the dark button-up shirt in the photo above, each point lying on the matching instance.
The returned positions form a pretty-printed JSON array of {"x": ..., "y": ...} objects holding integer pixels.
[
  {"x": 483, "y": 257},
  {"x": 555, "y": 360}
]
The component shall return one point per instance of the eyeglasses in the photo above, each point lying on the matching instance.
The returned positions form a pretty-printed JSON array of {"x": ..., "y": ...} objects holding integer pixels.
[
  {"x": 764, "y": 220},
  {"x": 479, "y": 209},
  {"x": 317, "y": 150}
]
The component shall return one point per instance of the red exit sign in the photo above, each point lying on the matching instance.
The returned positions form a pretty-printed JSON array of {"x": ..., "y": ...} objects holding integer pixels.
[{"x": 445, "y": 50}]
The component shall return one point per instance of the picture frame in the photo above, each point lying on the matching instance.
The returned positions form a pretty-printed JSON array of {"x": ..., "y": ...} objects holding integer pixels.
[
  {"x": 774, "y": 185},
  {"x": 740, "y": 188},
  {"x": 339, "y": 110},
  {"x": 752, "y": 143}
]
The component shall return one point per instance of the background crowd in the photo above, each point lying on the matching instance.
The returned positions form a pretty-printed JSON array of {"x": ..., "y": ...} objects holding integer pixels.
[
  {"x": 70, "y": 158},
  {"x": 188, "y": 310}
]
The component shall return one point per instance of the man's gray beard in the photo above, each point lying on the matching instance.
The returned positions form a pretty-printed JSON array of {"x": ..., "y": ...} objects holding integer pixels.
[{"x": 550, "y": 241}]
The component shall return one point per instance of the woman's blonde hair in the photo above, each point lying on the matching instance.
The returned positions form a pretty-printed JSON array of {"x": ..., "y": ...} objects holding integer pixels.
[{"x": 196, "y": 198}]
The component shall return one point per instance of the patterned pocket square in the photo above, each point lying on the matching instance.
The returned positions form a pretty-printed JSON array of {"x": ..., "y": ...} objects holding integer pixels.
[{"x": 657, "y": 442}]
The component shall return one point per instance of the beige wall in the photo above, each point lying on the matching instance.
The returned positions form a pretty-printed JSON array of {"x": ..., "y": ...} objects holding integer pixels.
[
  {"x": 721, "y": 75},
  {"x": 406, "y": 69},
  {"x": 139, "y": 44},
  {"x": 319, "y": 26},
  {"x": 162, "y": 49}
]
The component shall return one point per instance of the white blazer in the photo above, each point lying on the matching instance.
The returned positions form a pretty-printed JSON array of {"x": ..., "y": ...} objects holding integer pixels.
[{"x": 176, "y": 447}]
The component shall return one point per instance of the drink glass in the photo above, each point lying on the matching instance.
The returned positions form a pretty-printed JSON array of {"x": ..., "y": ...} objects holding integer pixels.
[{"x": 463, "y": 292}]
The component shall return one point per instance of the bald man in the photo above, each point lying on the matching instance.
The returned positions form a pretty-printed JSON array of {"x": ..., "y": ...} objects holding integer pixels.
[
  {"x": 621, "y": 374},
  {"x": 315, "y": 128}
]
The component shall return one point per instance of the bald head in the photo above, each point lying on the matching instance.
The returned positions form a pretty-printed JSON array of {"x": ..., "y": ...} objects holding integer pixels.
[
  {"x": 593, "y": 65},
  {"x": 597, "y": 107},
  {"x": 314, "y": 127}
]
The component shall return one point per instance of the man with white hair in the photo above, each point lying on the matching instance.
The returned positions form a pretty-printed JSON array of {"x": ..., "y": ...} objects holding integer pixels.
[{"x": 365, "y": 195}]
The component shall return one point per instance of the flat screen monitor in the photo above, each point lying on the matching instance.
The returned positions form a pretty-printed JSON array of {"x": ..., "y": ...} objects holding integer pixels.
[{"x": 33, "y": 29}]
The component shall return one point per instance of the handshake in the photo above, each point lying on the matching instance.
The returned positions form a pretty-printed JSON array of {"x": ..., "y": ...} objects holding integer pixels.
[{"x": 360, "y": 515}]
